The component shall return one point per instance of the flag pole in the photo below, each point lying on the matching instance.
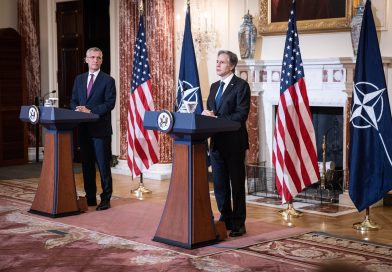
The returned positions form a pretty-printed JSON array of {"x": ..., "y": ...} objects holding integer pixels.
[
  {"x": 141, "y": 189},
  {"x": 324, "y": 173},
  {"x": 366, "y": 224},
  {"x": 141, "y": 9},
  {"x": 290, "y": 211}
]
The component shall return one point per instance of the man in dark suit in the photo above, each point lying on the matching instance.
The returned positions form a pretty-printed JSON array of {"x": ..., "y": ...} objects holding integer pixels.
[
  {"x": 229, "y": 98},
  {"x": 95, "y": 92}
]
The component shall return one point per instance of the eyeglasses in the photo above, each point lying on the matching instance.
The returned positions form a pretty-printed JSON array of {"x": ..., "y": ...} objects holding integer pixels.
[
  {"x": 221, "y": 62},
  {"x": 94, "y": 57}
]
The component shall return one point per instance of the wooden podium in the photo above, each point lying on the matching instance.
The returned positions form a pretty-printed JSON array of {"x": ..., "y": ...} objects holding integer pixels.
[
  {"x": 187, "y": 220},
  {"x": 56, "y": 193}
]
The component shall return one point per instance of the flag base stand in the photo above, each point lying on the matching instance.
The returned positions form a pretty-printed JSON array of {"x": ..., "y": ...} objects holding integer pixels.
[
  {"x": 290, "y": 212},
  {"x": 366, "y": 224},
  {"x": 141, "y": 189}
]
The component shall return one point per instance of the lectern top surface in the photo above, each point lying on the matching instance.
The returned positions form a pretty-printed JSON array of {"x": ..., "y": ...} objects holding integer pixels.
[
  {"x": 195, "y": 123},
  {"x": 191, "y": 124},
  {"x": 52, "y": 114},
  {"x": 56, "y": 118}
]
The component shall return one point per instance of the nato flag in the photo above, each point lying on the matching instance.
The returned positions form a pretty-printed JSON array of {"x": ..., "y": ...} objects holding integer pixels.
[
  {"x": 370, "y": 122},
  {"x": 188, "y": 87}
]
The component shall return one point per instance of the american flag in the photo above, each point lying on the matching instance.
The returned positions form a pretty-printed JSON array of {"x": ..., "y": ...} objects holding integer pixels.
[
  {"x": 294, "y": 148},
  {"x": 142, "y": 144}
]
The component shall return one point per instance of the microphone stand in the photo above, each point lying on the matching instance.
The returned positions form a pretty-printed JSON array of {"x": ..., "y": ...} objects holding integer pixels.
[
  {"x": 37, "y": 103},
  {"x": 48, "y": 93}
]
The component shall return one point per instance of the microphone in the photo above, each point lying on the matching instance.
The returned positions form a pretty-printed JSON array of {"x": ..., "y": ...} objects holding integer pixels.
[
  {"x": 48, "y": 93},
  {"x": 45, "y": 95}
]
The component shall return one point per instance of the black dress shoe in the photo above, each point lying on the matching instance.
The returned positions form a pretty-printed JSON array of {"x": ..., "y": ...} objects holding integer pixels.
[
  {"x": 104, "y": 205},
  {"x": 238, "y": 232}
]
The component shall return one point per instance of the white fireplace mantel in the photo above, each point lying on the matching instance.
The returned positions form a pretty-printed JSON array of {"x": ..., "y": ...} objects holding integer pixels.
[{"x": 329, "y": 84}]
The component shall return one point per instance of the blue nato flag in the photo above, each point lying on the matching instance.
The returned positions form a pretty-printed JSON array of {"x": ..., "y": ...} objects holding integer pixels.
[
  {"x": 370, "y": 122},
  {"x": 188, "y": 87}
]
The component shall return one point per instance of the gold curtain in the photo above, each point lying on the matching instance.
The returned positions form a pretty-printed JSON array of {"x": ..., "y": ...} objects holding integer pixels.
[{"x": 159, "y": 16}]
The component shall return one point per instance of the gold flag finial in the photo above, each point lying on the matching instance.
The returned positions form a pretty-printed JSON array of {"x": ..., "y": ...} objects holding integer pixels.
[{"x": 141, "y": 9}]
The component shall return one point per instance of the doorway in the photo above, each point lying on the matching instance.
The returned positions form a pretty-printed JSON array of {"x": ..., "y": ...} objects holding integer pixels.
[{"x": 80, "y": 25}]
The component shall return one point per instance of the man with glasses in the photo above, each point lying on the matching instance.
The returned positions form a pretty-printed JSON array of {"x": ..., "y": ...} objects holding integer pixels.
[
  {"x": 229, "y": 98},
  {"x": 95, "y": 92}
]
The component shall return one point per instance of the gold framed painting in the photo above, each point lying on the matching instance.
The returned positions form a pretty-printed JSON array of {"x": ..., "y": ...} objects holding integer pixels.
[{"x": 312, "y": 15}]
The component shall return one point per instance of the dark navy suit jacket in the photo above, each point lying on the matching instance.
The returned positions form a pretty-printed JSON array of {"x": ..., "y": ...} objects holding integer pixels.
[
  {"x": 101, "y": 101},
  {"x": 234, "y": 105}
]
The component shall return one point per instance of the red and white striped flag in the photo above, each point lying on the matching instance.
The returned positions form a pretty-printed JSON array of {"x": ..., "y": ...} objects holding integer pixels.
[
  {"x": 294, "y": 148},
  {"x": 143, "y": 148}
]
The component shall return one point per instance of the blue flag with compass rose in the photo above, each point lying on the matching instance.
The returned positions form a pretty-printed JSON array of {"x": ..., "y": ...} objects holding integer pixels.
[
  {"x": 370, "y": 151},
  {"x": 188, "y": 87}
]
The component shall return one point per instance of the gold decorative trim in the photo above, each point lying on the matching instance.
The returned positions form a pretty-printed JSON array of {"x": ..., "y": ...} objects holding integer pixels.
[{"x": 265, "y": 26}]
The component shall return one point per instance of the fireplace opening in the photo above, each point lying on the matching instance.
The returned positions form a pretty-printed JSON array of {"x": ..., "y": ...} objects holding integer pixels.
[
  {"x": 328, "y": 123},
  {"x": 328, "y": 126}
]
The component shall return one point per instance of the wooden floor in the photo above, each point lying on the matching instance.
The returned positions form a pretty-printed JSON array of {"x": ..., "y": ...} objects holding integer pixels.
[{"x": 341, "y": 225}]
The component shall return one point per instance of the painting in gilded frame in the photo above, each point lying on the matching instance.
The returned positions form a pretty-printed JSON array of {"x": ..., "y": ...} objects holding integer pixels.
[{"x": 312, "y": 15}]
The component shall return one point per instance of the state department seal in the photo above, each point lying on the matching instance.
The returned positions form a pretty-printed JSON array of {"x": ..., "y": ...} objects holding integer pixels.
[
  {"x": 33, "y": 114},
  {"x": 165, "y": 121}
]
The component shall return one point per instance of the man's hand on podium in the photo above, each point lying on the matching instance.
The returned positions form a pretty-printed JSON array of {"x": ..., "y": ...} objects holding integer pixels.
[
  {"x": 209, "y": 113},
  {"x": 83, "y": 109}
]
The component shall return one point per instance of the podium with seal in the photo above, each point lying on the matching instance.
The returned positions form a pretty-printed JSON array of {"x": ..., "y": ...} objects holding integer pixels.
[
  {"x": 187, "y": 220},
  {"x": 56, "y": 193}
]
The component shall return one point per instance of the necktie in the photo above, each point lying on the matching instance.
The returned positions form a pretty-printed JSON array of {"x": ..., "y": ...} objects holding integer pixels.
[
  {"x": 219, "y": 94},
  {"x": 90, "y": 84}
]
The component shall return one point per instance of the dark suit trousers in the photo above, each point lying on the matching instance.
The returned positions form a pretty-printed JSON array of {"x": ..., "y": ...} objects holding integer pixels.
[
  {"x": 228, "y": 172},
  {"x": 96, "y": 150}
]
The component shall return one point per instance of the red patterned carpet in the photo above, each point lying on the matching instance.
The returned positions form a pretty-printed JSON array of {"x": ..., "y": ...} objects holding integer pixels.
[
  {"x": 119, "y": 239},
  {"x": 313, "y": 248}
]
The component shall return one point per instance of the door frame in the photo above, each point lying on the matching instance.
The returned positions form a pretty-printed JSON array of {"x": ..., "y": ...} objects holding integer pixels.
[{"x": 49, "y": 75}]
